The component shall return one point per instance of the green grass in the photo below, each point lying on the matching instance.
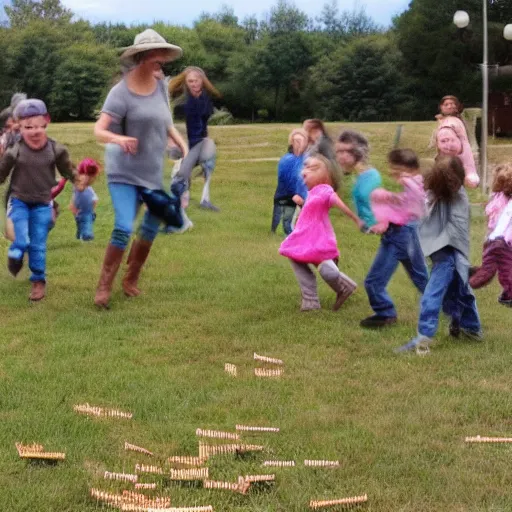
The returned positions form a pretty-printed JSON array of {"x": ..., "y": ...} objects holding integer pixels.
[{"x": 216, "y": 295}]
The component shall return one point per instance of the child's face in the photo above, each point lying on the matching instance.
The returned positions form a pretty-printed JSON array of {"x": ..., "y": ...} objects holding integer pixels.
[
  {"x": 33, "y": 131},
  {"x": 299, "y": 144},
  {"x": 314, "y": 173},
  {"x": 449, "y": 108},
  {"x": 448, "y": 143},
  {"x": 194, "y": 83},
  {"x": 345, "y": 156}
]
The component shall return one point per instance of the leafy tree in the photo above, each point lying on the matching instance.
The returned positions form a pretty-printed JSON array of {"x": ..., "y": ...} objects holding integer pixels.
[
  {"x": 360, "y": 82},
  {"x": 80, "y": 81},
  {"x": 22, "y": 12}
]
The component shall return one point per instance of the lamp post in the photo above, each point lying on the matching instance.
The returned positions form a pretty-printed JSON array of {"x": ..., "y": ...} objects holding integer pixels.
[{"x": 461, "y": 20}]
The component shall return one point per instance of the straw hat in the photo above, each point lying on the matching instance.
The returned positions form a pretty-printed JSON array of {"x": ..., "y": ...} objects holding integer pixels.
[{"x": 150, "y": 40}]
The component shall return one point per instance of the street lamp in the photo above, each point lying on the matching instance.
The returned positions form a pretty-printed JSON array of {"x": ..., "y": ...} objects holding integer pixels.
[{"x": 461, "y": 20}]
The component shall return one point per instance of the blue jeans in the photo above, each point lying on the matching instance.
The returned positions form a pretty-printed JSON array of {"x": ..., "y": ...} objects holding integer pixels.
[
  {"x": 447, "y": 290},
  {"x": 398, "y": 244},
  {"x": 126, "y": 201},
  {"x": 285, "y": 211},
  {"x": 84, "y": 226},
  {"x": 32, "y": 223}
]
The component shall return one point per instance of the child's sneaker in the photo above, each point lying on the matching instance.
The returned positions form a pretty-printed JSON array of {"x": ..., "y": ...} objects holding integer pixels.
[
  {"x": 377, "y": 321},
  {"x": 38, "y": 291},
  {"x": 472, "y": 335},
  {"x": 14, "y": 265},
  {"x": 420, "y": 344},
  {"x": 505, "y": 301},
  {"x": 454, "y": 328}
]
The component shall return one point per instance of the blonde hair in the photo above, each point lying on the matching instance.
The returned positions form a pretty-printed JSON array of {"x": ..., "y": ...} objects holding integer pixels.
[
  {"x": 503, "y": 179},
  {"x": 333, "y": 169},
  {"x": 178, "y": 85},
  {"x": 297, "y": 131}
]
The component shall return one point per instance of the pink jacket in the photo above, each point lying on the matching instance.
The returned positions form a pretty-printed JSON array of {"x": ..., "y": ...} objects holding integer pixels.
[
  {"x": 467, "y": 155},
  {"x": 494, "y": 209},
  {"x": 402, "y": 207}
]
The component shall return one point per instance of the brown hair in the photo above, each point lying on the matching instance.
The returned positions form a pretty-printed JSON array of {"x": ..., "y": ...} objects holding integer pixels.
[
  {"x": 503, "y": 179},
  {"x": 404, "y": 158},
  {"x": 445, "y": 178},
  {"x": 178, "y": 86},
  {"x": 315, "y": 124},
  {"x": 332, "y": 169},
  {"x": 360, "y": 145}
]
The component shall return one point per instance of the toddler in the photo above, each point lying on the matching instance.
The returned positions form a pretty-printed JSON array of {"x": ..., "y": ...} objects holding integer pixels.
[
  {"x": 497, "y": 254},
  {"x": 444, "y": 237},
  {"x": 313, "y": 241},
  {"x": 83, "y": 202}
]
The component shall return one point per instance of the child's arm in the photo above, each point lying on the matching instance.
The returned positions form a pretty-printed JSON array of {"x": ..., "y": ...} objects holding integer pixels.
[
  {"x": 336, "y": 202},
  {"x": 175, "y": 135},
  {"x": 7, "y": 162},
  {"x": 298, "y": 200},
  {"x": 59, "y": 188},
  {"x": 67, "y": 169}
]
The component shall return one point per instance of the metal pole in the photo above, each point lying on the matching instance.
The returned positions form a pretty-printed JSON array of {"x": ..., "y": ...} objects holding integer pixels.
[{"x": 485, "y": 102}]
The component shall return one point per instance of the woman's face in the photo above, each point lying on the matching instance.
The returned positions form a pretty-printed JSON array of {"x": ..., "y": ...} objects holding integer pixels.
[
  {"x": 449, "y": 108},
  {"x": 154, "y": 60},
  {"x": 194, "y": 83},
  {"x": 448, "y": 143},
  {"x": 314, "y": 173},
  {"x": 299, "y": 144},
  {"x": 345, "y": 156}
]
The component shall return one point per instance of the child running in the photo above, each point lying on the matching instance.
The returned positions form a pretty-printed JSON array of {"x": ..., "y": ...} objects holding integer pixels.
[
  {"x": 444, "y": 237},
  {"x": 497, "y": 254},
  {"x": 291, "y": 191},
  {"x": 352, "y": 153},
  {"x": 397, "y": 215},
  {"x": 313, "y": 241},
  {"x": 32, "y": 162},
  {"x": 83, "y": 202}
]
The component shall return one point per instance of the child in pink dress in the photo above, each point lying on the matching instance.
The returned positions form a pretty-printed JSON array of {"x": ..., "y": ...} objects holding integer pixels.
[
  {"x": 497, "y": 256},
  {"x": 313, "y": 241}
]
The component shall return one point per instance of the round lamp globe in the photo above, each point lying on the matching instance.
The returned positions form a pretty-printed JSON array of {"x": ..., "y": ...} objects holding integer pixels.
[{"x": 461, "y": 19}]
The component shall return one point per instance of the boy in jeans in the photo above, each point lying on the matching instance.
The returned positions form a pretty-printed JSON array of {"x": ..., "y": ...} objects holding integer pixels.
[
  {"x": 397, "y": 216},
  {"x": 32, "y": 162}
]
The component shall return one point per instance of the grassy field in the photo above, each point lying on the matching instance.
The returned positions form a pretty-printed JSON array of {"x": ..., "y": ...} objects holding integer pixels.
[{"x": 215, "y": 295}]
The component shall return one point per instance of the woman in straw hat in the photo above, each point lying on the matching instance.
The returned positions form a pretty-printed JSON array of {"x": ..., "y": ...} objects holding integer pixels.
[
  {"x": 136, "y": 126},
  {"x": 193, "y": 92}
]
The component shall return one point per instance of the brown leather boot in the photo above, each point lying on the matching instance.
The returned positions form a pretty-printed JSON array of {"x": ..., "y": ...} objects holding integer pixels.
[
  {"x": 136, "y": 259},
  {"x": 111, "y": 263},
  {"x": 38, "y": 291}
]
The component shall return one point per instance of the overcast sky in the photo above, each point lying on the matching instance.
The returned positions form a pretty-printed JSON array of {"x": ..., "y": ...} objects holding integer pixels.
[{"x": 184, "y": 12}]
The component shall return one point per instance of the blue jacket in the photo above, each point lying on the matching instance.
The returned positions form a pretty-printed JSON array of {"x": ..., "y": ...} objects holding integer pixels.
[{"x": 289, "y": 179}]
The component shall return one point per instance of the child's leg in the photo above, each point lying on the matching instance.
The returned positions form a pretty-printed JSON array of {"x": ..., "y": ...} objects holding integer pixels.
[
  {"x": 87, "y": 233},
  {"x": 383, "y": 267},
  {"x": 469, "y": 318},
  {"x": 442, "y": 273},
  {"x": 338, "y": 281},
  {"x": 180, "y": 182},
  {"x": 18, "y": 212},
  {"x": 505, "y": 271},
  {"x": 276, "y": 217},
  {"x": 486, "y": 272},
  {"x": 287, "y": 212},
  {"x": 415, "y": 264},
  {"x": 40, "y": 219},
  {"x": 307, "y": 283}
]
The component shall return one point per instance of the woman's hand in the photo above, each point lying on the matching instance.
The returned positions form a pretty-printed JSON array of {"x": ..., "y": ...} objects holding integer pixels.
[{"x": 129, "y": 144}]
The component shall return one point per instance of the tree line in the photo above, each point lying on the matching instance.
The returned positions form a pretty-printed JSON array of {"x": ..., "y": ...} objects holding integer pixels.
[{"x": 284, "y": 67}]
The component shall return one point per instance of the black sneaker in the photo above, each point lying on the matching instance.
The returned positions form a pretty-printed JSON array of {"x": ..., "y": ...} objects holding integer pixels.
[
  {"x": 454, "y": 329},
  {"x": 503, "y": 300},
  {"x": 377, "y": 321},
  {"x": 14, "y": 266}
]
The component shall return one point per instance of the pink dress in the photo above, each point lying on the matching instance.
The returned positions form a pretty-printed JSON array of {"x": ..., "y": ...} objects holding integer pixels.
[{"x": 313, "y": 239}]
